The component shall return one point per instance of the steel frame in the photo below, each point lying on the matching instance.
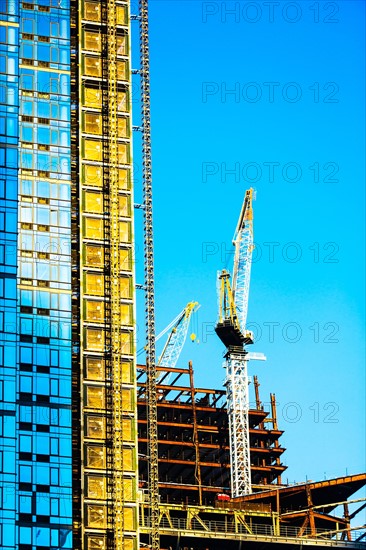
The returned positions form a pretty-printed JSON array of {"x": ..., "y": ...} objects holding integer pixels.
[
  {"x": 194, "y": 462},
  {"x": 261, "y": 524}
]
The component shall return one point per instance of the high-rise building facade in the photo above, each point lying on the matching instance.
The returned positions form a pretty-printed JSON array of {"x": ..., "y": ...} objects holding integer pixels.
[{"x": 68, "y": 414}]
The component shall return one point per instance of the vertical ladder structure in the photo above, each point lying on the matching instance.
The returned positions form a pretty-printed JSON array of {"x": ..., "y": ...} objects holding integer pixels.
[{"x": 149, "y": 276}]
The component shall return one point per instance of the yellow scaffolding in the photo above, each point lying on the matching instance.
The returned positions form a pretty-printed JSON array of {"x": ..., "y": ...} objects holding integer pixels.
[{"x": 107, "y": 363}]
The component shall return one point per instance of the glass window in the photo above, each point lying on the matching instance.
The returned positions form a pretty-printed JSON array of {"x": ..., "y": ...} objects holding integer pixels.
[
  {"x": 94, "y": 255},
  {"x": 92, "y": 97},
  {"x": 130, "y": 544},
  {"x": 43, "y": 53},
  {"x": 55, "y": 54},
  {"x": 93, "y": 67},
  {"x": 96, "y": 542},
  {"x": 96, "y": 487},
  {"x": 26, "y": 354},
  {"x": 95, "y": 456},
  {"x": 92, "y": 175},
  {"x": 27, "y": 132},
  {"x": 25, "y": 384},
  {"x": 124, "y": 206},
  {"x": 97, "y": 516},
  {"x": 126, "y": 314},
  {"x": 95, "y": 397},
  {"x": 125, "y": 287},
  {"x": 93, "y": 123},
  {"x": 128, "y": 462},
  {"x": 25, "y": 535},
  {"x": 28, "y": 25},
  {"x": 95, "y": 311},
  {"x": 44, "y": 135},
  {"x": 127, "y": 429},
  {"x": 126, "y": 343},
  {"x": 123, "y": 153},
  {"x": 129, "y": 489},
  {"x": 129, "y": 516},
  {"x": 94, "y": 284},
  {"x": 123, "y": 127},
  {"x": 25, "y": 504},
  {"x": 121, "y": 15},
  {"x": 44, "y": 109},
  {"x": 95, "y": 427},
  {"x": 94, "y": 202},
  {"x": 25, "y": 474},
  {"x": 94, "y": 369},
  {"x": 122, "y": 70},
  {"x": 127, "y": 372},
  {"x": 91, "y": 11},
  {"x": 27, "y": 51},
  {"x": 95, "y": 339},
  {"x": 122, "y": 98},
  {"x": 93, "y": 150},
  {"x": 92, "y": 41},
  {"x": 125, "y": 232},
  {"x": 126, "y": 263},
  {"x": 25, "y": 443},
  {"x": 122, "y": 43},
  {"x": 124, "y": 178},
  {"x": 127, "y": 400},
  {"x": 93, "y": 228},
  {"x": 55, "y": 29}
]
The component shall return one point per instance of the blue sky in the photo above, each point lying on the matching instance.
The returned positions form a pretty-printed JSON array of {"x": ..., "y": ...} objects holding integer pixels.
[{"x": 293, "y": 128}]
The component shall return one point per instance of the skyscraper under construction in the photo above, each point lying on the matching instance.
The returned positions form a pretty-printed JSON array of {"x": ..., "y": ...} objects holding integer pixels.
[
  {"x": 68, "y": 376},
  {"x": 72, "y": 412}
]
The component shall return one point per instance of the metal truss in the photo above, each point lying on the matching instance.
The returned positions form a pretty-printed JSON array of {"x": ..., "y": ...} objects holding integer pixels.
[{"x": 236, "y": 383}]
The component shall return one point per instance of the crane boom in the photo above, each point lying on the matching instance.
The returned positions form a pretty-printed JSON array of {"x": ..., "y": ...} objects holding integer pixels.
[
  {"x": 244, "y": 244},
  {"x": 177, "y": 336}
]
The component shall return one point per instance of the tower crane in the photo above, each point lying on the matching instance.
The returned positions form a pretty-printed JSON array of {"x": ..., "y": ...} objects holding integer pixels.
[
  {"x": 231, "y": 329},
  {"x": 177, "y": 336},
  {"x": 178, "y": 328}
]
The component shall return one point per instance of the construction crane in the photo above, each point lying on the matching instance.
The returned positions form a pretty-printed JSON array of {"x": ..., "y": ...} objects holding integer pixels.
[
  {"x": 175, "y": 342},
  {"x": 152, "y": 419},
  {"x": 231, "y": 329}
]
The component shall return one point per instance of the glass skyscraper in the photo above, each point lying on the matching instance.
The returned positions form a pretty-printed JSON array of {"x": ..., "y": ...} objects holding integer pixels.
[{"x": 68, "y": 457}]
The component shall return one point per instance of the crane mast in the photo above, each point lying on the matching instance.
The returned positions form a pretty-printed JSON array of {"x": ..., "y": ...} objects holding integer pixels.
[
  {"x": 233, "y": 307},
  {"x": 237, "y": 394},
  {"x": 144, "y": 73}
]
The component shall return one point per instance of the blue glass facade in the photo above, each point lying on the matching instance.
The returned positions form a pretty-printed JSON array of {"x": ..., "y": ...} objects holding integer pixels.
[
  {"x": 35, "y": 276},
  {"x": 9, "y": 108}
]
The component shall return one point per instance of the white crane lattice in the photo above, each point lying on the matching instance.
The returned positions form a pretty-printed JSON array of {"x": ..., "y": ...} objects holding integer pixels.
[{"x": 231, "y": 328}]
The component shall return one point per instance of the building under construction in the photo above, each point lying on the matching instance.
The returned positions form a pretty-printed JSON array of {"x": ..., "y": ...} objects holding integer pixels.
[
  {"x": 97, "y": 453},
  {"x": 195, "y": 508},
  {"x": 194, "y": 460}
]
